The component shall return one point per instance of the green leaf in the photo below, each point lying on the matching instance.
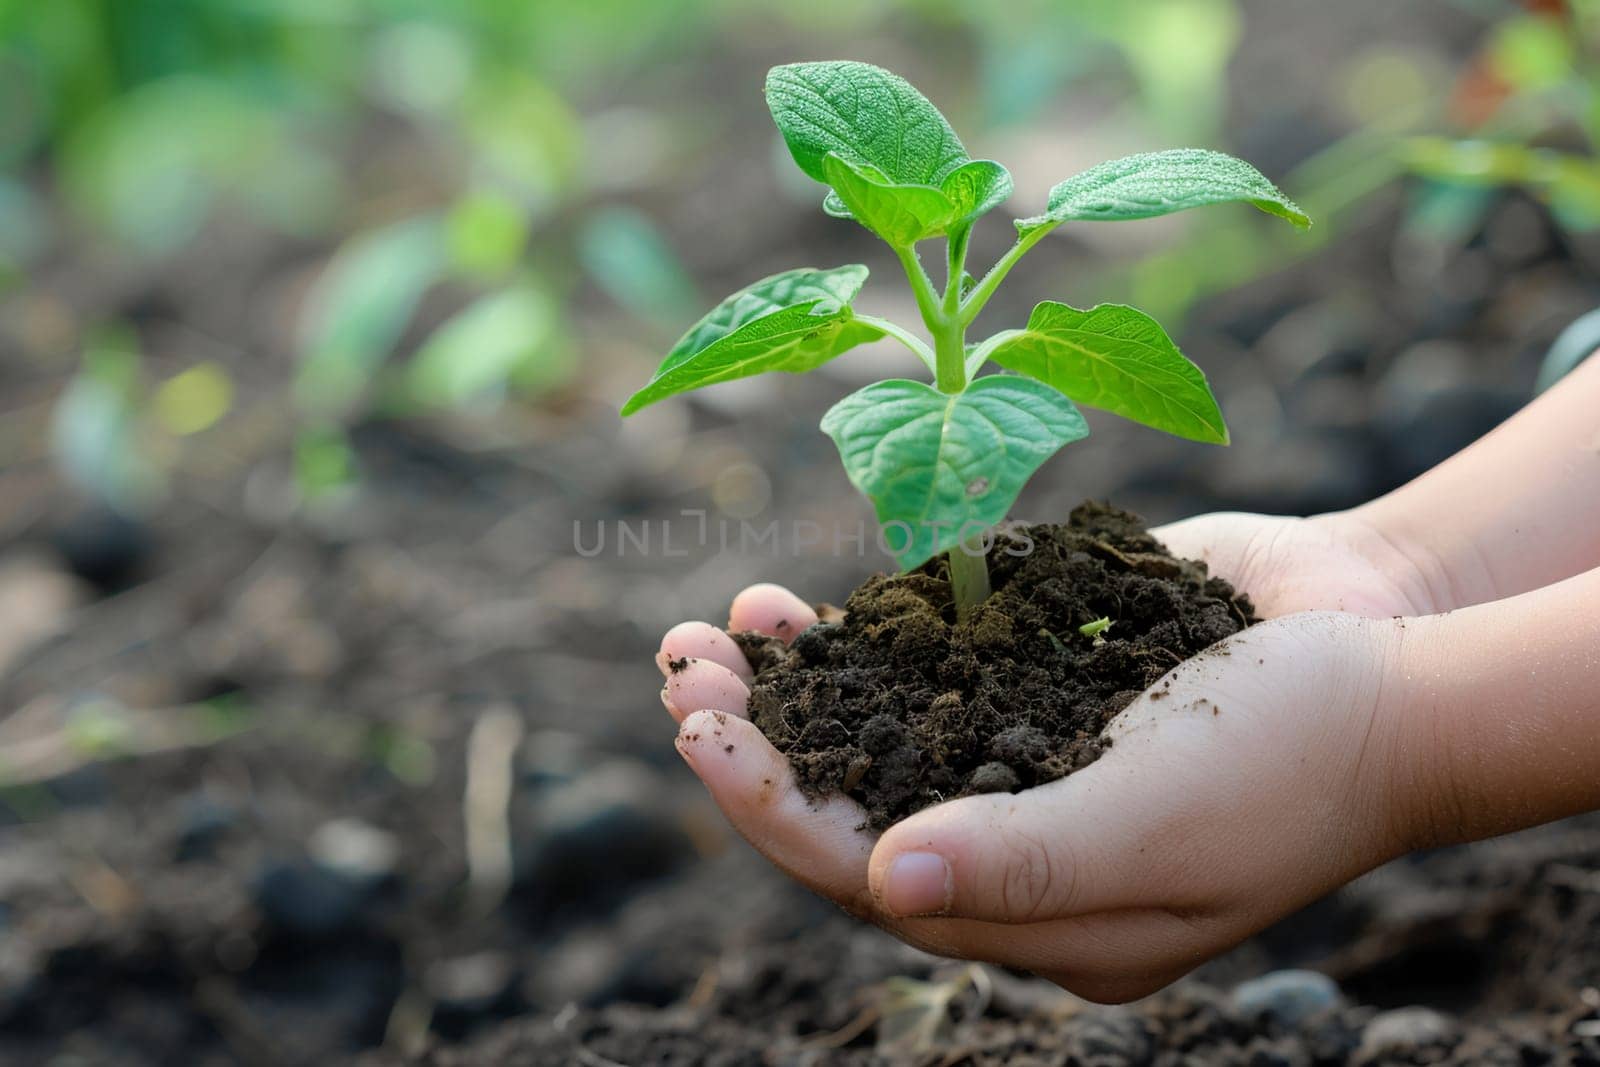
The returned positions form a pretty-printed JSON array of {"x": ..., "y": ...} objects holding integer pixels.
[
  {"x": 947, "y": 465},
  {"x": 900, "y": 214},
  {"x": 1116, "y": 358},
  {"x": 1096, "y": 627},
  {"x": 1160, "y": 183},
  {"x": 865, "y": 114},
  {"x": 358, "y": 309},
  {"x": 903, "y": 214},
  {"x": 324, "y": 462},
  {"x": 485, "y": 233},
  {"x": 627, "y": 256},
  {"x": 96, "y": 432},
  {"x": 794, "y": 321},
  {"x": 483, "y": 350},
  {"x": 977, "y": 188}
]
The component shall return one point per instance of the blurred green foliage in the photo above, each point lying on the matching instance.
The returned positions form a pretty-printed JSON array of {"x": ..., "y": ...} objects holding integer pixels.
[
  {"x": 455, "y": 174},
  {"x": 154, "y": 117},
  {"x": 360, "y": 307},
  {"x": 99, "y": 433},
  {"x": 1175, "y": 53},
  {"x": 1527, "y": 112}
]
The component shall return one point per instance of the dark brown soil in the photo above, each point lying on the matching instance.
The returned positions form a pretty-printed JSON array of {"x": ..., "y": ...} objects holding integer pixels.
[
  {"x": 900, "y": 706},
  {"x": 1485, "y": 956}
]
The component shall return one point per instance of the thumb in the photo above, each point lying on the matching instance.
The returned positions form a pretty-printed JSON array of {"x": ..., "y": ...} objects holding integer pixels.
[
  {"x": 1091, "y": 842},
  {"x": 1190, "y": 807}
]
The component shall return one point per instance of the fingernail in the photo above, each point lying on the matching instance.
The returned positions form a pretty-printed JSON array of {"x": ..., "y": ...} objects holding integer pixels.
[
  {"x": 919, "y": 883},
  {"x": 666, "y": 699}
]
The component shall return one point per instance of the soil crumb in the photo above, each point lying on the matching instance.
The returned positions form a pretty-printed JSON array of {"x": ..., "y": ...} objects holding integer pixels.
[{"x": 900, "y": 707}]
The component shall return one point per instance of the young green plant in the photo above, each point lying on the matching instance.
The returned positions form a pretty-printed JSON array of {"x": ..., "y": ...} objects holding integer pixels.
[{"x": 943, "y": 463}]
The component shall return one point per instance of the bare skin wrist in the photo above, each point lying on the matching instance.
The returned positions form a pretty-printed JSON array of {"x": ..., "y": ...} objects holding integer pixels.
[
  {"x": 1392, "y": 766},
  {"x": 1498, "y": 717},
  {"x": 1419, "y": 797},
  {"x": 1442, "y": 774},
  {"x": 1510, "y": 514},
  {"x": 1410, "y": 564}
]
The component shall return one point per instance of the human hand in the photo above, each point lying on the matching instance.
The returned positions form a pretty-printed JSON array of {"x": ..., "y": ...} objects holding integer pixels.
[
  {"x": 1250, "y": 781},
  {"x": 1335, "y": 562}
]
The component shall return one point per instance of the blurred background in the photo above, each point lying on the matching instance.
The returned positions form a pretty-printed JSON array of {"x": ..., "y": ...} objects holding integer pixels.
[{"x": 320, "y": 737}]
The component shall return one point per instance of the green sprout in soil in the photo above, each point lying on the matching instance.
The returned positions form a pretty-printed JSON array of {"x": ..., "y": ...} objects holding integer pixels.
[
  {"x": 943, "y": 463},
  {"x": 1096, "y": 629}
]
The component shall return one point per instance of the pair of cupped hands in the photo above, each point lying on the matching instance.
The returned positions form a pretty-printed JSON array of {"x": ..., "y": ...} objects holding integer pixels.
[{"x": 1192, "y": 832}]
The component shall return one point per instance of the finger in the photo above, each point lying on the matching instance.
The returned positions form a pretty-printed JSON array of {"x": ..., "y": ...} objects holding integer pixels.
[
  {"x": 770, "y": 609},
  {"x": 701, "y": 685},
  {"x": 818, "y": 843},
  {"x": 1137, "y": 945},
  {"x": 1103, "y": 988},
  {"x": 821, "y": 845},
  {"x": 1144, "y": 947},
  {"x": 1190, "y": 532},
  {"x": 1208, "y": 538},
  {"x": 1083, "y": 844},
  {"x": 701, "y": 640}
]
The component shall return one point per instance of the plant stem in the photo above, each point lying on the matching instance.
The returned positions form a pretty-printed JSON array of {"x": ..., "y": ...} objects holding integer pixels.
[
  {"x": 955, "y": 267},
  {"x": 969, "y": 577},
  {"x": 950, "y": 357},
  {"x": 938, "y": 313},
  {"x": 947, "y": 316},
  {"x": 904, "y": 336},
  {"x": 921, "y": 285},
  {"x": 979, "y": 355},
  {"x": 969, "y": 569},
  {"x": 973, "y": 304}
]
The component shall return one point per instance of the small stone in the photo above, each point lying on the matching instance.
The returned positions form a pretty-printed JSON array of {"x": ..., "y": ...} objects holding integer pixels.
[
  {"x": 1403, "y": 1030},
  {"x": 305, "y": 900},
  {"x": 356, "y": 851},
  {"x": 106, "y": 549},
  {"x": 469, "y": 986},
  {"x": 583, "y": 968},
  {"x": 581, "y": 846},
  {"x": 1290, "y": 996}
]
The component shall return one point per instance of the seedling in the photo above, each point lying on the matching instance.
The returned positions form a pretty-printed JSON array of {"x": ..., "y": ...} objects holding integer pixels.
[
  {"x": 1096, "y": 629},
  {"x": 943, "y": 463}
]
